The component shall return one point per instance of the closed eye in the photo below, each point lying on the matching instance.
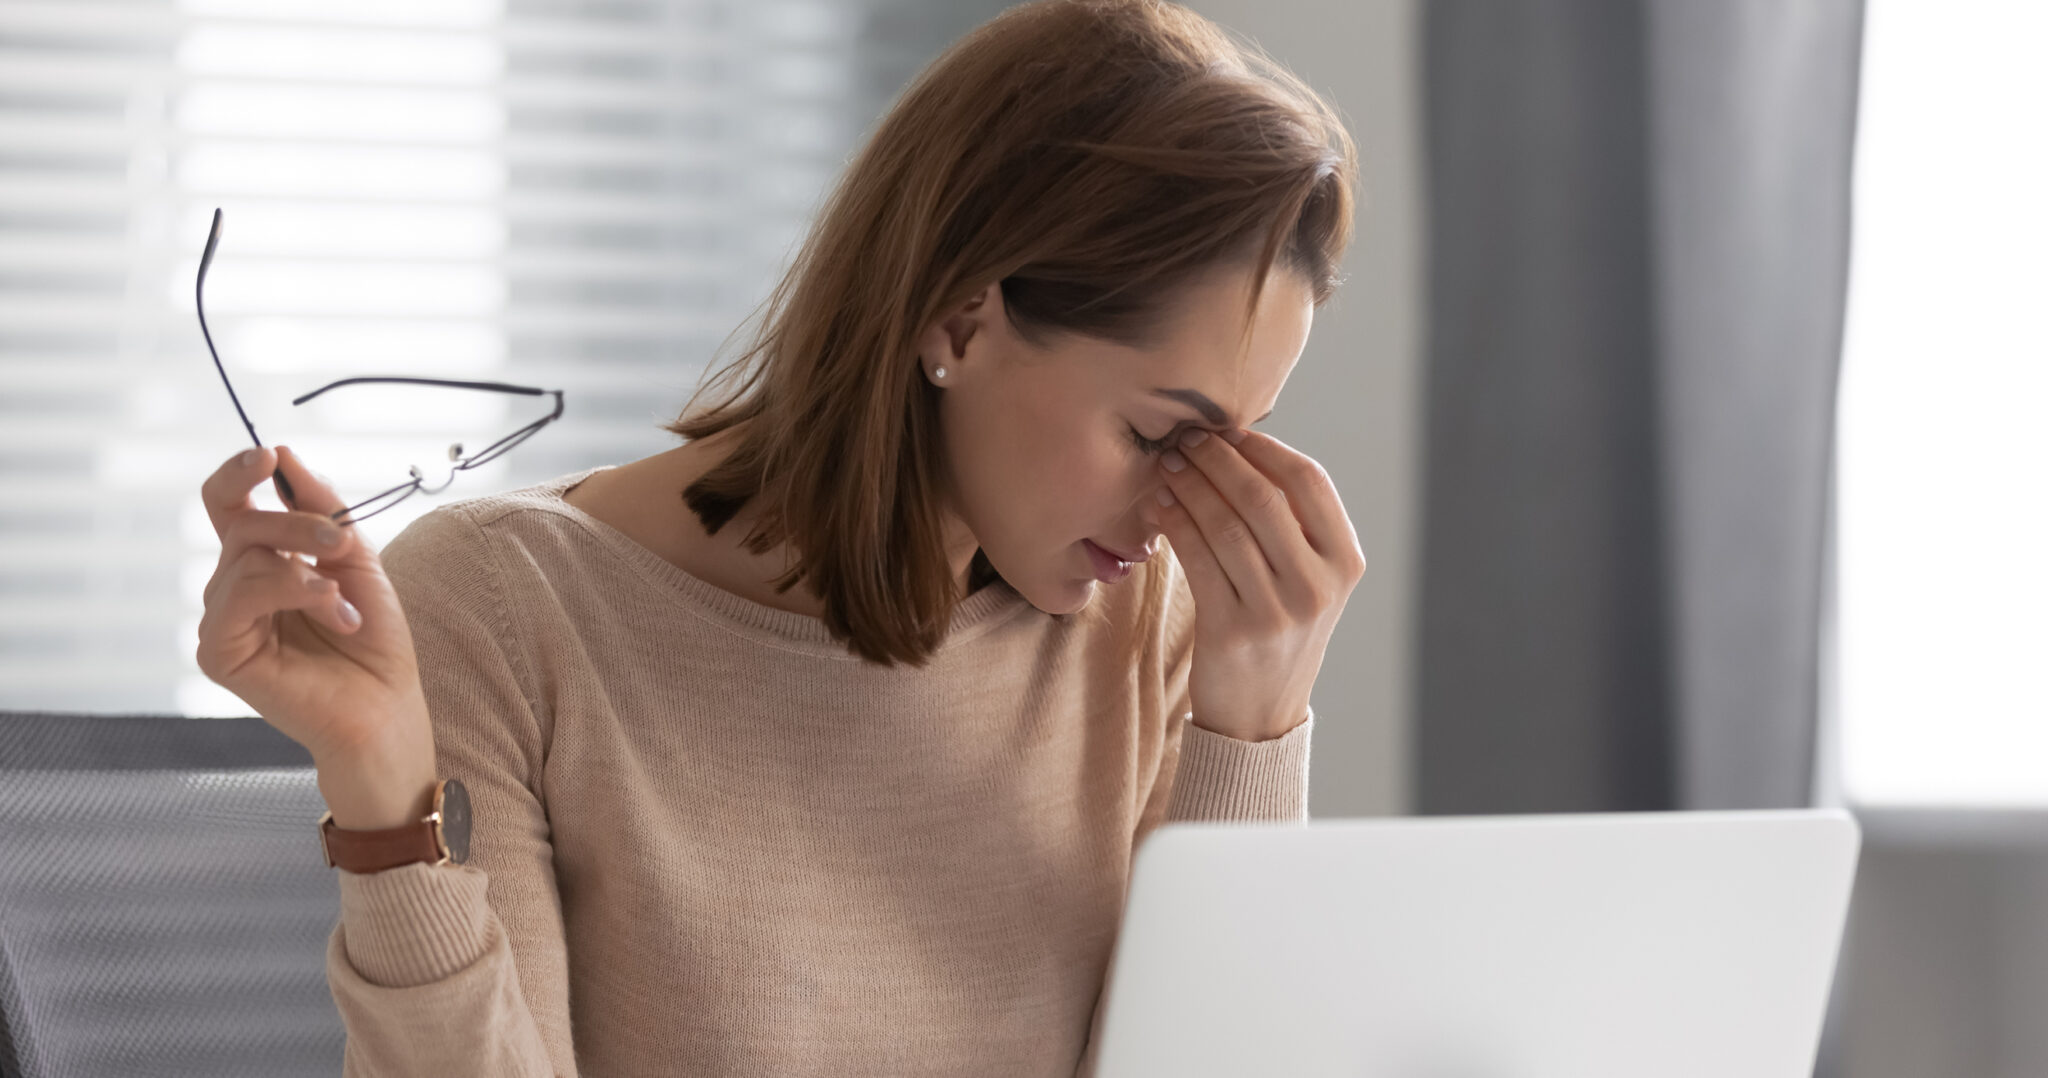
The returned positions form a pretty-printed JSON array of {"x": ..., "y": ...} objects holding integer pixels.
[{"x": 1148, "y": 445}]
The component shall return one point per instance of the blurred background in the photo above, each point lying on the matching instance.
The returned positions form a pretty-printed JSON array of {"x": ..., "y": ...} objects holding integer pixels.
[{"x": 1686, "y": 390}]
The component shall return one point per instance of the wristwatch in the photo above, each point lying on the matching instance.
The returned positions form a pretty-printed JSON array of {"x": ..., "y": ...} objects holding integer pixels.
[{"x": 441, "y": 837}]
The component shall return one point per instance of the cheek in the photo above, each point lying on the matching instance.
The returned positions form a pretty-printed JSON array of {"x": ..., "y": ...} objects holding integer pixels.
[
  {"x": 1042, "y": 470},
  {"x": 1052, "y": 494},
  {"x": 1058, "y": 482},
  {"x": 1091, "y": 483}
]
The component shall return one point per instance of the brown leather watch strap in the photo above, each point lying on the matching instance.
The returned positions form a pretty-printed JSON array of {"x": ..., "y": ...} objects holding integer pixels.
[{"x": 375, "y": 851}]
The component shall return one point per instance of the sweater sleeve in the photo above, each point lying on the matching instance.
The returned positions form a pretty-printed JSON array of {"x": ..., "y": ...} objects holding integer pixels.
[
  {"x": 1205, "y": 775},
  {"x": 461, "y": 970}
]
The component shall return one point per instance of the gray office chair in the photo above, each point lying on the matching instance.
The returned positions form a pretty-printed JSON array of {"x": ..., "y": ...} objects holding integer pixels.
[{"x": 164, "y": 909}]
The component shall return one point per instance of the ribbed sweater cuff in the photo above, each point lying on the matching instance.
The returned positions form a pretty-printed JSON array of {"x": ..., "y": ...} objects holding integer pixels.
[
  {"x": 414, "y": 924},
  {"x": 1225, "y": 778}
]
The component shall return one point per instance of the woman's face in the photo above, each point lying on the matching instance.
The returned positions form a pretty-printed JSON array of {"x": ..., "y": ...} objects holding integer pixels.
[{"x": 1041, "y": 444}]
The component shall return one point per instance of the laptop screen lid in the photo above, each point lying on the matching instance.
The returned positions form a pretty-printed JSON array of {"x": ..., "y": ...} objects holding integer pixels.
[{"x": 1679, "y": 944}]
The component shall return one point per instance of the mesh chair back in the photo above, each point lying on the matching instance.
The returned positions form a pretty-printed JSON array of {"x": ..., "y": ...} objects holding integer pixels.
[{"x": 164, "y": 909}]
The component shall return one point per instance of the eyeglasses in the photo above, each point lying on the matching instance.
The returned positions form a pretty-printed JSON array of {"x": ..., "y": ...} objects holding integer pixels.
[{"x": 399, "y": 493}]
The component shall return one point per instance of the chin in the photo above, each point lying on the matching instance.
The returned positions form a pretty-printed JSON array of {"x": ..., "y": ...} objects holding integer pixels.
[{"x": 1058, "y": 597}]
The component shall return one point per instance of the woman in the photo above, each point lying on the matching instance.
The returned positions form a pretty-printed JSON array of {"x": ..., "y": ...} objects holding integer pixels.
[{"x": 881, "y": 823}]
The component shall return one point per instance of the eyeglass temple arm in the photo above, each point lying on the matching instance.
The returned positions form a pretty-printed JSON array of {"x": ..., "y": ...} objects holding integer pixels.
[
  {"x": 284, "y": 486},
  {"x": 501, "y": 387},
  {"x": 455, "y": 451}
]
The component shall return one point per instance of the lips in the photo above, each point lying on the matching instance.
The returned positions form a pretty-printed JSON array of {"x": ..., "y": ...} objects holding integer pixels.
[{"x": 1120, "y": 555}]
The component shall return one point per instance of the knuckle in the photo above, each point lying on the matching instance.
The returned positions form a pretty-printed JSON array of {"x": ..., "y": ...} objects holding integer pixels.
[
  {"x": 302, "y": 579},
  {"x": 1304, "y": 602},
  {"x": 238, "y": 530},
  {"x": 234, "y": 592},
  {"x": 206, "y": 654},
  {"x": 1260, "y": 497},
  {"x": 308, "y": 526},
  {"x": 1233, "y": 533},
  {"x": 262, "y": 568},
  {"x": 226, "y": 576},
  {"x": 1318, "y": 597},
  {"x": 253, "y": 561}
]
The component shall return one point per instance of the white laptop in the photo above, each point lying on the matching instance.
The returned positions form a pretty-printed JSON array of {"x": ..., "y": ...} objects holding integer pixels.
[{"x": 1675, "y": 944}]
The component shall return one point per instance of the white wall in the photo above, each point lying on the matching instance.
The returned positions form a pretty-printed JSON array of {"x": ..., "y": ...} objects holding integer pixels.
[{"x": 1352, "y": 402}]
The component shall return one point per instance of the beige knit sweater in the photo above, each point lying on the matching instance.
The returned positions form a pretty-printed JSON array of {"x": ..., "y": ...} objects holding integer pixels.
[{"x": 709, "y": 840}]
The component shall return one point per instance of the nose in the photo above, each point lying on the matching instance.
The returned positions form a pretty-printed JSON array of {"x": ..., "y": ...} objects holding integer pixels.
[
  {"x": 1148, "y": 518},
  {"x": 1147, "y": 543}
]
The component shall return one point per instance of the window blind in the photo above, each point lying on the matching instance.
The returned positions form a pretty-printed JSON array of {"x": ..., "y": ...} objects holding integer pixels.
[{"x": 578, "y": 196}]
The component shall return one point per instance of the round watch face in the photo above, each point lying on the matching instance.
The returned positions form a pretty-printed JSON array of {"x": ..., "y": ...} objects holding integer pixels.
[{"x": 455, "y": 820}]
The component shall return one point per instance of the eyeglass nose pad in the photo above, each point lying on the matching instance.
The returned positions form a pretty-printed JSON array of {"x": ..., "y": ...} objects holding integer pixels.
[
  {"x": 415, "y": 470},
  {"x": 455, "y": 451}
]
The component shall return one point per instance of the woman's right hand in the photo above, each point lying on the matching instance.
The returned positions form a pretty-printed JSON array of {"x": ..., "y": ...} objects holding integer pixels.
[{"x": 277, "y": 631}]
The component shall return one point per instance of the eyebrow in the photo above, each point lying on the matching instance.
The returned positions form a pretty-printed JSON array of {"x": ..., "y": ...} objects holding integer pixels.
[{"x": 1201, "y": 403}]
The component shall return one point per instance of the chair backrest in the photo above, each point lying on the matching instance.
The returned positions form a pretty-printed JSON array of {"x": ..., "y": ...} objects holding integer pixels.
[{"x": 164, "y": 909}]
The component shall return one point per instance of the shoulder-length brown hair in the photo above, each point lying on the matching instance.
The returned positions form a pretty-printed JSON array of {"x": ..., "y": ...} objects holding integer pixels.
[{"x": 1092, "y": 156}]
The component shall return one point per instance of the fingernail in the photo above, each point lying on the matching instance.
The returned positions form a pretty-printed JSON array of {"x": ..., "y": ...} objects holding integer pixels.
[
  {"x": 1173, "y": 461},
  {"x": 349, "y": 615},
  {"x": 1193, "y": 437},
  {"x": 250, "y": 457},
  {"x": 1234, "y": 436},
  {"x": 1165, "y": 496},
  {"x": 327, "y": 534}
]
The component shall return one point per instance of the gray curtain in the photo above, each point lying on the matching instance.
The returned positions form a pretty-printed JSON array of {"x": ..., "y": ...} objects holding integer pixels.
[{"x": 1638, "y": 240}]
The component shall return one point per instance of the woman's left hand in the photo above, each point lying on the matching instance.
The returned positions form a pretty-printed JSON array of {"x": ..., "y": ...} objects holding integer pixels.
[{"x": 1271, "y": 558}]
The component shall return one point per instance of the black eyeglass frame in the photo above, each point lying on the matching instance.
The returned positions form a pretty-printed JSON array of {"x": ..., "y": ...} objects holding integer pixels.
[{"x": 488, "y": 454}]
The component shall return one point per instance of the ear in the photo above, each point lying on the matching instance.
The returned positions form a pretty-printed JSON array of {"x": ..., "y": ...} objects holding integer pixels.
[{"x": 945, "y": 343}]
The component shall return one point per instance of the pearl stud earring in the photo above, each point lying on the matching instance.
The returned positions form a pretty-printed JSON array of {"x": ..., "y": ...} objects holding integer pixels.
[{"x": 940, "y": 373}]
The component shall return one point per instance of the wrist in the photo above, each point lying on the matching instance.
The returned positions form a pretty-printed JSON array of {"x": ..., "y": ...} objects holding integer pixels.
[
  {"x": 374, "y": 788},
  {"x": 1271, "y": 730}
]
